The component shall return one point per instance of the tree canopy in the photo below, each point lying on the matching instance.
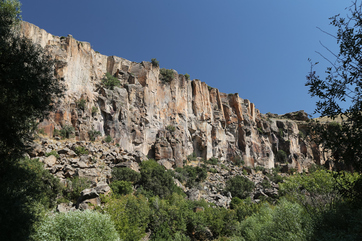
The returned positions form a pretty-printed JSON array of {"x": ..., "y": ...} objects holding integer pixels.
[
  {"x": 27, "y": 83},
  {"x": 342, "y": 86}
]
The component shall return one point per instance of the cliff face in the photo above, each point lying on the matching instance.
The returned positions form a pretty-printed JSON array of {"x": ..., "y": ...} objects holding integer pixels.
[{"x": 165, "y": 120}]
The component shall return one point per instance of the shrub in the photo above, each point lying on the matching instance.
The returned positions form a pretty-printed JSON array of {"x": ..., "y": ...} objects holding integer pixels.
[
  {"x": 108, "y": 139},
  {"x": 287, "y": 221},
  {"x": 110, "y": 81},
  {"x": 166, "y": 75},
  {"x": 187, "y": 76},
  {"x": 192, "y": 175},
  {"x": 80, "y": 150},
  {"x": 27, "y": 190},
  {"x": 53, "y": 152},
  {"x": 282, "y": 156},
  {"x": 130, "y": 215},
  {"x": 239, "y": 186},
  {"x": 170, "y": 128},
  {"x": 260, "y": 130},
  {"x": 239, "y": 161},
  {"x": 156, "y": 180},
  {"x": 81, "y": 104},
  {"x": 66, "y": 131},
  {"x": 41, "y": 131},
  {"x": 259, "y": 168},
  {"x": 73, "y": 187},
  {"x": 192, "y": 157},
  {"x": 155, "y": 63},
  {"x": 125, "y": 174},
  {"x": 94, "y": 110},
  {"x": 77, "y": 226},
  {"x": 212, "y": 161},
  {"x": 121, "y": 187},
  {"x": 93, "y": 134}
]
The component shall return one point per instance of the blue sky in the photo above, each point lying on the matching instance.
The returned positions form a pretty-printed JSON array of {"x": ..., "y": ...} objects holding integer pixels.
[{"x": 258, "y": 49}]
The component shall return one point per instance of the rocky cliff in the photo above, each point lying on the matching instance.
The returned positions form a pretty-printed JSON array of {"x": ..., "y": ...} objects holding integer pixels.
[{"x": 166, "y": 120}]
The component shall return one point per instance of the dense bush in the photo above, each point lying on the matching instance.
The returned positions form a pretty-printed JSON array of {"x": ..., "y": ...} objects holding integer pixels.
[
  {"x": 282, "y": 156},
  {"x": 155, "y": 63},
  {"x": 130, "y": 215},
  {"x": 167, "y": 75},
  {"x": 155, "y": 179},
  {"x": 192, "y": 175},
  {"x": 125, "y": 174},
  {"x": 239, "y": 186},
  {"x": 27, "y": 190},
  {"x": 65, "y": 132},
  {"x": 187, "y": 76},
  {"x": 108, "y": 139},
  {"x": 80, "y": 150},
  {"x": 109, "y": 81},
  {"x": 76, "y": 226},
  {"x": 287, "y": 221},
  {"x": 121, "y": 187},
  {"x": 73, "y": 187}
]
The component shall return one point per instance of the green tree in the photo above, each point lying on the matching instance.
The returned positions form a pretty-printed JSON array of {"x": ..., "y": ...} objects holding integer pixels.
[
  {"x": 239, "y": 186},
  {"x": 27, "y": 83},
  {"x": 342, "y": 86}
]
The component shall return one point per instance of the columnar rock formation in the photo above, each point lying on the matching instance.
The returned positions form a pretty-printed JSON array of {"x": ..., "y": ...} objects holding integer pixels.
[{"x": 165, "y": 120}]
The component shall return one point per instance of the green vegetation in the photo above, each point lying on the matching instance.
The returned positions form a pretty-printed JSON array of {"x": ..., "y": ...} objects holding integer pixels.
[
  {"x": 212, "y": 161},
  {"x": 53, "y": 152},
  {"x": 27, "y": 83},
  {"x": 170, "y": 128},
  {"x": 190, "y": 175},
  {"x": 73, "y": 187},
  {"x": 77, "y": 226},
  {"x": 94, "y": 110},
  {"x": 340, "y": 88},
  {"x": 108, "y": 139},
  {"x": 121, "y": 187},
  {"x": 93, "y": 134},
  {"x": 125, "y": 174},
  {"x": 81, "y": 104},
  {"x": 155, "y": 63},
  {"x": 187, "y": 76},
  {"x": 109, "y": 81},
  {"x": 282, "y": 156},
  {"x": 80, "y": 150},
  {"x": 167, "y": 75},
  {"x": 65, "y": 132},
  {"x": 239, "y": 186}
]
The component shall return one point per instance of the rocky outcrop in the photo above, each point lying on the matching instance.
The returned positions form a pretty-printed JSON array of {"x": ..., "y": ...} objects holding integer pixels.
[{"x": 168, "y": 121}]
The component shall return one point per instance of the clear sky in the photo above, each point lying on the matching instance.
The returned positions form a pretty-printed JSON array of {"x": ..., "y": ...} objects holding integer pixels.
[{"x": 257, "y": 48}]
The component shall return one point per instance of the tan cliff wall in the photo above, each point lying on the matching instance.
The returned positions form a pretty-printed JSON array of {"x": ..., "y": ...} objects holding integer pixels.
[{"x": 139, "y": 115}]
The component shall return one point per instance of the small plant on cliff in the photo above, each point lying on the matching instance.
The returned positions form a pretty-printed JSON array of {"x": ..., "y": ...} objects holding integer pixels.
[
  {"x": 187, "y": 76},
  {"x": 260, "y": 130},
  {"x": 108, "y": 139},
  {"x": 94, "y": 110},
  {"x": 53, "y": 152},
  {"x": 170, "y": 128},
  {"x": 155, "y": 63},
  {"x": 282, "y": 156},
  {"x": 80, "y": 150},
  {"x": 110, "y": 81},
  {"x": 81, "y": 103},
  {"x": 166, "y": 75},
  {"x": 66, "y": 131},
  {"x": 93, "y": 134}
]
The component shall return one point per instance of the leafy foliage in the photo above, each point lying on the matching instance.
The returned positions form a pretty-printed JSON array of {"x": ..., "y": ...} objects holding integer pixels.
[
  {"x": 93, "y": 134},
  {"x": 109, "y": 81},
  {"x": 239, "y": 186},
  {"x": 27, "y": 189},
  {"x": 81, "y": 103},
  {"x": 125, "y": 174},
  {"x": 27, "y": 83},
  {"x": 71, "y": 191},
  {"x": 108, "y": 139},
  {"x": 80, "y": 150},
  {"x": 53, "y": 152},
  {"x": 121, "y": 187},
  {"x": 192, "y": 175},
  {"x": 130, "y": 215},
  {"x": 342, "y": 85},
  {"x": 156, "y": 180},
  {"x": 155, "y": 63},
  {"x": 167, "y": 75},
  {"x": 77, "y": 226}
]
